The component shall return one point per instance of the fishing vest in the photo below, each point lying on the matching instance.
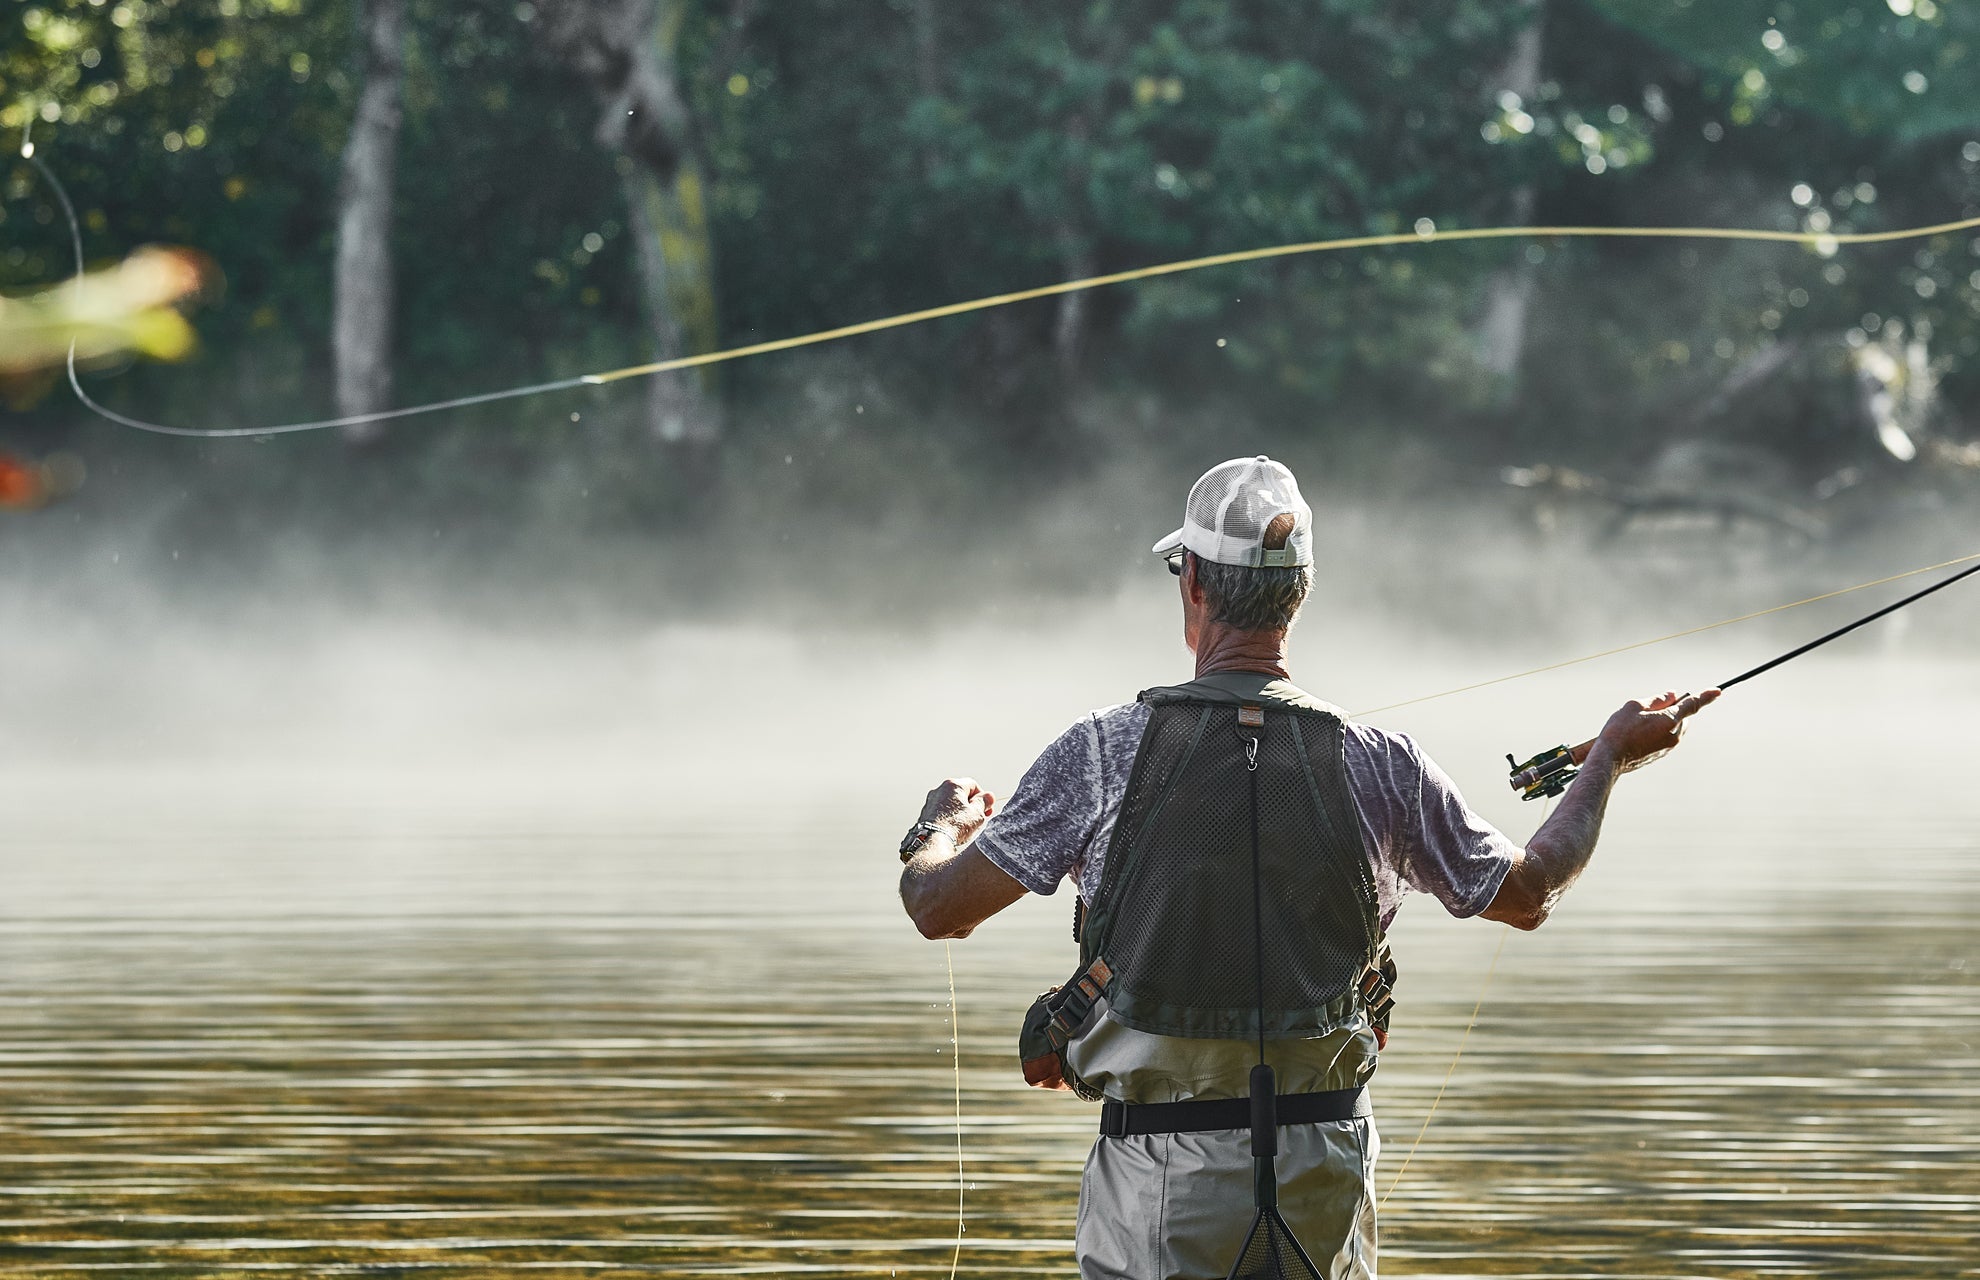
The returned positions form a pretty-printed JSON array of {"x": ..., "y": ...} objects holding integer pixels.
[{"x": 1168, "y": 937}]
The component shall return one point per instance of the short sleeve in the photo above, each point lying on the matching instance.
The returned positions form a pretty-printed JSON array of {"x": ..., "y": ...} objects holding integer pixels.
[
  {"x": 1438, "y": 844},
  {"x": 1041, "y": 832}
]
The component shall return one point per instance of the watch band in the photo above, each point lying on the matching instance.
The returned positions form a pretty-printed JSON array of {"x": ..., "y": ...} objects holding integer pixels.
[{"x": 918, "y": 837}]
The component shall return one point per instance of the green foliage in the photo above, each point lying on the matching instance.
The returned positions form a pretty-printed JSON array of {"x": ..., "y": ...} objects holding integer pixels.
[
  {"x": 868, "y": 159},
  {"x": 1902, "y": 70}
]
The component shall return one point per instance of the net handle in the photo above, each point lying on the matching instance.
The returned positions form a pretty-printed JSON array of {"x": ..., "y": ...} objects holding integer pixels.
[{"x": 1264, "y": 1086}]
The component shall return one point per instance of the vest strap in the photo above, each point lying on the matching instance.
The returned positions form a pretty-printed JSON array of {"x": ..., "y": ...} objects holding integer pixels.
[{"x": 1202, "y": 1115}]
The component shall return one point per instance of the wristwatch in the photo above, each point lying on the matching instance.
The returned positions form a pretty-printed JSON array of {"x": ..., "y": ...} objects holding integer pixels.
[{"x": 918, "y": 837}]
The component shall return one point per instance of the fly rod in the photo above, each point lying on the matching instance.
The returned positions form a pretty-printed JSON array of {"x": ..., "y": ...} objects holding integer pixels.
[{"x": 1549, "y": 773}]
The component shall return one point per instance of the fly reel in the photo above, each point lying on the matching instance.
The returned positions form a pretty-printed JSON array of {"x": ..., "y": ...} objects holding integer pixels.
[{"x": 1546, "y": 774}]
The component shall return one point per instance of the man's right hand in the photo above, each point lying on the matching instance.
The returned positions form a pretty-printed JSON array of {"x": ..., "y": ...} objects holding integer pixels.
[
  {"x": 1639, "y": 732},
  {"x": 1634, "y": 736},
  {"x": 960, "y": 807},
  {"x": 949, "y": 894}
]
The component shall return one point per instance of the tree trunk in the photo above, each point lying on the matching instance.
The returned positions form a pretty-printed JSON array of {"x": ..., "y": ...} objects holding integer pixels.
[
  {"x": 624, "y": 49},
  {"x": 1070, "y": 324},
  {"x": 927, "y": 48},
  {"x": 361, "y": 325},
  {"x": 677, "y": 410},
  {"x": 927, "y": 71},
  {"x": 1501, "y": 331},
  {"x": 1076, "y": 260}
]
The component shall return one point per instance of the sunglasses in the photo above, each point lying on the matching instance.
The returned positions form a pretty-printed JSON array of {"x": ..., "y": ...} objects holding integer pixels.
[{"x": 1175, "y": 561}]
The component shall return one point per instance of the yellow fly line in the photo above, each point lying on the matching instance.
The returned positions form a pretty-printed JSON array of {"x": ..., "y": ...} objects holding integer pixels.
[
  {"x": 1456, "y": 1057},
  {"x": 1817, "y": 240},
  {"x": 1826, "y": 241},
  {"x": 955, "y": 1059}
]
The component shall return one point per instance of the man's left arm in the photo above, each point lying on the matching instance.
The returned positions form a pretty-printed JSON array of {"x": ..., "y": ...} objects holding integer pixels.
[{"x": 949, "y": 888}]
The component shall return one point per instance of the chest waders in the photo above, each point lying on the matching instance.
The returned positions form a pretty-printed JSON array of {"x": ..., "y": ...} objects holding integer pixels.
[{"x": 1236, "y": 903}]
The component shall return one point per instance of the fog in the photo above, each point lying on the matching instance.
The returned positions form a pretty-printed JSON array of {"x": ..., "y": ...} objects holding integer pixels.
[{"x": 149, "y": 714}]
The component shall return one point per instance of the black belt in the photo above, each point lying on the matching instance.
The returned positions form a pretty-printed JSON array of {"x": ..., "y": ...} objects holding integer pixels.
[{"x": 1123, "y": 1119}]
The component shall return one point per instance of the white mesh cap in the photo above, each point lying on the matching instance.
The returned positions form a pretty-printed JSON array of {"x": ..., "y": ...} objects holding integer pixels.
[{"x": 1230, "y": 508}]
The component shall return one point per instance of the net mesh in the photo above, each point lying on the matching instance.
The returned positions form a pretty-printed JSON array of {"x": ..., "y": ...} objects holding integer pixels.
[
  {"x": 1271, "y": 1253},
  {"x": 1231, "y": 505},
  {"x": 1180, "y": 942}
]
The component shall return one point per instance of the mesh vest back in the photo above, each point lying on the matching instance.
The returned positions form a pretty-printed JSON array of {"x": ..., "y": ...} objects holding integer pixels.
[{"x": 1173, "y": 915}]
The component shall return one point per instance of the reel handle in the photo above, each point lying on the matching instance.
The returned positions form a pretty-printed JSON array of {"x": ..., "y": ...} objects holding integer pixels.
[{"x": 1548, "y": 773}]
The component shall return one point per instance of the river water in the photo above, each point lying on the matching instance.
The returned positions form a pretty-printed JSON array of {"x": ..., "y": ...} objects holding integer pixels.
[{"x": 411, "y": 954}]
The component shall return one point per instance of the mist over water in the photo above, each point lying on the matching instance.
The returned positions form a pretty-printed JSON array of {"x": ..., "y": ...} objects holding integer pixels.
[{"x": 341, "y": 937}]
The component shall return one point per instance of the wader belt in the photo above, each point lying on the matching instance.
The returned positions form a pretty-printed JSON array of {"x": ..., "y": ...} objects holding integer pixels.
[{"x": 1202, "y": 1115}]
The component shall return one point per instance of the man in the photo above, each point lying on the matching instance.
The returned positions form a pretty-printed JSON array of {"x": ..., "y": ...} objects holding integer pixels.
[{"x": 1343, "y": 819}]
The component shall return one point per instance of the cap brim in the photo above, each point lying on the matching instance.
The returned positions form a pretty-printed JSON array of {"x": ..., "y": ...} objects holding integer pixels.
[{"x": 1169, "y": 545}]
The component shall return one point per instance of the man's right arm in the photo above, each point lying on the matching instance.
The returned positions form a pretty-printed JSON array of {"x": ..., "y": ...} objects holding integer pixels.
[
  {"x": 956, "y": 883},
  {"x": 949, "y": 889},
  {"x": 1559, "y": 851}
]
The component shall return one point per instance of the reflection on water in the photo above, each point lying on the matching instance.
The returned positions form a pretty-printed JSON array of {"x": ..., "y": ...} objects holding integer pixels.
[{"x": 269, "y": 1037}]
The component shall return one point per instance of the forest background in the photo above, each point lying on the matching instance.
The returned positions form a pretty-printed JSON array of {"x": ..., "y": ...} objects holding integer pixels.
[{"x": 402, "y": 200}]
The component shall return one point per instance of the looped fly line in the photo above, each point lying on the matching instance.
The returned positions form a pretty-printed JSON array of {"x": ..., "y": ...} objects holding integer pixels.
[{"x": 1820, "y": 240}]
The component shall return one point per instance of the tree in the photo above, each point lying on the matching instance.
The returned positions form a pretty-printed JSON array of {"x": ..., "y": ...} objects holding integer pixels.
[
  {"x": 1115, "y": 135},
  {"x": 362, "y": 300},
  {"x": 625, "y": 50},
  {"x": 1501, "y": 328}
]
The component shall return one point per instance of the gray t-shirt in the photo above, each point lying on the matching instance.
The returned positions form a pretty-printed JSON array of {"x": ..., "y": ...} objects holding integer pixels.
[{"x": 1417, "y": 829}]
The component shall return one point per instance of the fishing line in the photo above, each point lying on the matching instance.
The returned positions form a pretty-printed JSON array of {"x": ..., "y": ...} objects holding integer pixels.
[
  {"x": 221, "y": 433},
  {"x": 1826, "y": 241},
  {"x": 1709, "y": 626},
  {"x": 68, "y": 209},
  {"x": 1844, "y": 630},
  {"x": 1451, "y": 1071},
  {"x": 955, "y": 1057},
  {"x": 1491, "y": 967}
]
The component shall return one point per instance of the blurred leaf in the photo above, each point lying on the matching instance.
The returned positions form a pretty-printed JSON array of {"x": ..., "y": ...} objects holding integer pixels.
[{"x": 105, "y": 313}]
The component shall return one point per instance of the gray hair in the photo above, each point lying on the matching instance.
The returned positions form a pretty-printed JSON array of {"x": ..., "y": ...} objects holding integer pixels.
[{"x": 1251, "y": 599}]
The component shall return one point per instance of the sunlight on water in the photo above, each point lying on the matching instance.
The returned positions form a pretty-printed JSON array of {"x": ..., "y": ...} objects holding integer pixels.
[{"x": 622, "y": 987}]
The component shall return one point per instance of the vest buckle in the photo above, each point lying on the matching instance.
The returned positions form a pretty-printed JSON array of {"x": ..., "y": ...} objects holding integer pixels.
[{"x": 1378, "y": 987}]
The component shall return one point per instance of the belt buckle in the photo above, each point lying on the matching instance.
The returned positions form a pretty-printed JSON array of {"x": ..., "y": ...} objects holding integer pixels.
[{"x": 1113, "y": 1119}]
